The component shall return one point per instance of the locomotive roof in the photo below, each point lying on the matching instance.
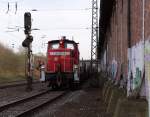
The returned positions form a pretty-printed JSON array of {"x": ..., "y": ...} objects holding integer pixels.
[{"x": 66, "y": 40}]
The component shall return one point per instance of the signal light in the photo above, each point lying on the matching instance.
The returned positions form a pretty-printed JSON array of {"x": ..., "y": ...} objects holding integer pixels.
[
  {"x": 27, "y": 21},
  {"x": 27, "y": 41}
]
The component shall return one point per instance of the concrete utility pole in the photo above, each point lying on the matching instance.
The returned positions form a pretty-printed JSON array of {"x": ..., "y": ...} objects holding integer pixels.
[
  {"x": 27, "y": 44},
  {"x": 94, "y": 33}
]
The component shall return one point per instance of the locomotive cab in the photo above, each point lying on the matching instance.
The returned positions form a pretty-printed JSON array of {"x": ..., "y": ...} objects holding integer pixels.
[{"x": 62, "y": 63}]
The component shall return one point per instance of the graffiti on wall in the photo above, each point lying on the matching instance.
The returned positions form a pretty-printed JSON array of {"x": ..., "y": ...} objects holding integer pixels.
[
  {"x": 137, "y": 79},
  {"x": 114, "y": 67},
  {"x": 137, "y": 63},
  {"x": 135, "y": 66},
  {"x": 103, "y": 64}
]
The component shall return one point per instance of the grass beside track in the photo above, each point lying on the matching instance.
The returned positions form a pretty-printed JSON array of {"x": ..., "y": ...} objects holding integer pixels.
[
  {"x": 14, "y": 78},
  {"x": 11, "y": 79}
]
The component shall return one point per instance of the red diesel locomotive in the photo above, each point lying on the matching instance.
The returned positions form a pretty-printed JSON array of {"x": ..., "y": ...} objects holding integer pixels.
[{"x": 62, "y": 67}]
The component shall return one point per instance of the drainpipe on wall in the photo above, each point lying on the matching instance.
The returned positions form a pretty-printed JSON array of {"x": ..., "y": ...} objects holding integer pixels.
[
  {"x": 147, "y": 82},
  {"x": 129, "y": 83},
  {"x": 129, "y": 23}
]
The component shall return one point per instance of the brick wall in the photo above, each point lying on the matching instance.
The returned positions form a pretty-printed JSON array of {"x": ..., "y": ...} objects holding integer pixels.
[
  {"x": 130, "y": 26},
  {"x": 117, "y": 37},
  {"x": 136, "y": 21}
]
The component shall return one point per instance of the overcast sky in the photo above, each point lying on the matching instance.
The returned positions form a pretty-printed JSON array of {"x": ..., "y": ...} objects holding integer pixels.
[{"x": 54, "y": 18}]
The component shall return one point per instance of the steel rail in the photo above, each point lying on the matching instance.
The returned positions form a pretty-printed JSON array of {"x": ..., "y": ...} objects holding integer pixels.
[
  {"x": 29, "y": 112},
  {"x": 6, "y": 106}
]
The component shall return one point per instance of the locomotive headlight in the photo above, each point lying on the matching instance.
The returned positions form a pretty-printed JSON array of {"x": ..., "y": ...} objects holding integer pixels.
[
  {"x": 61, "y": 42},
  {"x": 75, "y": 66},
  {"x": 55, "y": 59},
  {"x": 76, "y": 77}
]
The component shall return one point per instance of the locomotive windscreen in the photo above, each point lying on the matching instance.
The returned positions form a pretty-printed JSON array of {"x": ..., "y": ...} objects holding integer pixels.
[
  {"x": 69, "y": 45},
  {"x": 54, "y": 46}
]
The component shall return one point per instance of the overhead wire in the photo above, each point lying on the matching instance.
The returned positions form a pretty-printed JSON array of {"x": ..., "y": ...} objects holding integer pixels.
[
  {"x": 81, "y": 9},
  {"x": 68, "y": 28},
  {"x": 9, "y": 2}
]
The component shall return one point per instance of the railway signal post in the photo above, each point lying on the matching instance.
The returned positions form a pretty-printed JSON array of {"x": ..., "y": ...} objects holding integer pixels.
[{"x": 27, "y": 44}]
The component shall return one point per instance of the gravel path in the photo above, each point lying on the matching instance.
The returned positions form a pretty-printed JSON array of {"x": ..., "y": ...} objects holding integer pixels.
[{"x": 82, "y": 103}]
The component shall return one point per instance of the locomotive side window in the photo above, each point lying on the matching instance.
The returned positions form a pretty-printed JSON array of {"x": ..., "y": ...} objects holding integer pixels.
[
  {"x": 69, "y": 45},
  {"x": 54, "y": 45}
]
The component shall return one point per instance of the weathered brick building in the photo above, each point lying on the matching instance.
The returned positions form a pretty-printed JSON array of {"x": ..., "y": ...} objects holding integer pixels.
[{"x": 125, "y": 43}]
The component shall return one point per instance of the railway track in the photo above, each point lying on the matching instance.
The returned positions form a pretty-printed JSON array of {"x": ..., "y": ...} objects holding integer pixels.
[
  {"x": 15, "y": 84},
  {"x": 24, "y": 107}
]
